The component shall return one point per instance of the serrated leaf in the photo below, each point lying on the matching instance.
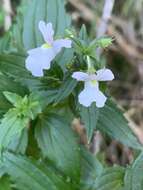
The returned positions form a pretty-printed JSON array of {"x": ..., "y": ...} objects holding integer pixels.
[
  {"x": 134, "y": 175},
  {"x": 110, "y": 179},
  {"x": 29, "y": 174},
  {"x": 58, "y": 143},
  {"x": 10, "y": 126},
  {"x": 19, "y": 142},
  {"x": 89, "y": 116},
  {"x": 112, "y": 122},
  {"x": 13, "y": 65},
  {"x": 46, "y": 97},
  {"x": 13, "y": 98},
  {"x": 66, "y": 88},
  {"x": 91, "y": 169},
  {"x": 97, "y": 177}
]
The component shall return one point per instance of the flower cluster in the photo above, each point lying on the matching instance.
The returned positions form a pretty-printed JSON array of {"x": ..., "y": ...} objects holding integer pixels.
[{"x": 40, "y": 58}]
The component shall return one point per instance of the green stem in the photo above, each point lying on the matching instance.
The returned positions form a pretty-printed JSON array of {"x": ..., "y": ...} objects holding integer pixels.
[{"x": 91, "y": 68}]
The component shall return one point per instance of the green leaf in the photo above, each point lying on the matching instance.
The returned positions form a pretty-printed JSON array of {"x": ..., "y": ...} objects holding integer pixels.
[
  {"x": 46, "y": 97},
  {"x": 26, "y": 31},
  {"x": 16, "y": 119},
  {"x": 91, "y": 169},
  {"x": 89, "y": 117},
  {"x": 102, "y": 42},
  {"x": 83, "y": 33},
  {"x": 65, "y": 58},
  {"x": 66, "y": 88},
  {"x": 2, "y": 169},
  {"x": 26, "y": 106},
  {"x": 13, "y": 98},
  {"x": 58, "y": 143},
  {"x": 110, "y": 179},
  {"x": 13, "y": 65},
  {"x": 5, "y": 43},
  {"x": 10, "y": 126},
  {"x": 7, "y": 84},
  {"x": 97, "y": 177},
  {"x": 19, "y": 142},
  {"x": 134, "y": 175},
  {"x": 29, "y": 174},
  {"x": 5, "y": 183},
  {"x": 112, "y": 122},
  {"x": 47, "y": 10}
]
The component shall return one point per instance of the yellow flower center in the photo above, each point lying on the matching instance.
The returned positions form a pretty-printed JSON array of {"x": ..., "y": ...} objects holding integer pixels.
[
  {"x": 94, "y": 82},
  {"x": 46, "y": 45}
]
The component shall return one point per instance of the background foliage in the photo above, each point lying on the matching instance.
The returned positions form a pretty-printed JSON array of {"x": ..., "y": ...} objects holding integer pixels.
[{"x": 38, "y": 147}]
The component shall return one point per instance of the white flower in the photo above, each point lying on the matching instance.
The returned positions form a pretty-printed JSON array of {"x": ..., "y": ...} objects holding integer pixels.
[
  {"x": 91, "y": 92},
  {"x": 40, "y": 58}
]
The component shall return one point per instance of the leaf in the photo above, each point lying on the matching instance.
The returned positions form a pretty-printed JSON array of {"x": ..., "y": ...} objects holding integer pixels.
[
  {"x": 89, "y": 117},
  {"x": 13, "y": 98},
  {"x": 19, "y": 142},
  {"x": 112, "y": 122},
  {"x": 58, "y": 143},
  {"x": 16, "y": 119},
  {"x": 7, "y": 84},
  {"x": 5, "y": 43},
  {"x": 47, "y": 10},
  {"x": 65, "y": 58},
  {"x": 66, "y": 88},
  {"x": 83, "y": 33},
  {"x": 46, "y": 97},
  {"x": 10, "y": 126},
  {"x": 97, "y": 177},
  {"x": 29, "y": 174},
  {"x": 134, "y": 175},
  {"x": 2, "y": 169},
  {"x": 110, "y": 179},
  {"x": 13, "y": 65},
  {"x": 26, "y": 31},
  {"x": 91, "y": 169},
  {"x": 5, "y": 183},
  {"x": 26, "y": 106}
]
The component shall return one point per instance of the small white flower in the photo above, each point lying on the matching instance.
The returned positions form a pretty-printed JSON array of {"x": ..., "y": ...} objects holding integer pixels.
[
  {"x": 40, "y": 58},
  {"x": 91, "y": 92}
]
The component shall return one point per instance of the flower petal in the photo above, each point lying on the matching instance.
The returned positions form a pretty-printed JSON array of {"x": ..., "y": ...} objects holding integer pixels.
[
  {"x": 92, "y": 94},
  {"x": 39, "y": 59},
  {"x": 86, "y": 97},
  {"x": 59, "y": 44},
  {"x": 80, "y": 76},
  {"x": 47, "y": 31},
  {"x": 105, "y": 75},
  {"x": 100, "y": 99}
]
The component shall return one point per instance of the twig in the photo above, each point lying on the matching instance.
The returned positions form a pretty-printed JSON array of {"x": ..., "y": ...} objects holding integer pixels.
[
  {"x": 107, "y": 11},
  {"x": 8, "y": 12}
]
